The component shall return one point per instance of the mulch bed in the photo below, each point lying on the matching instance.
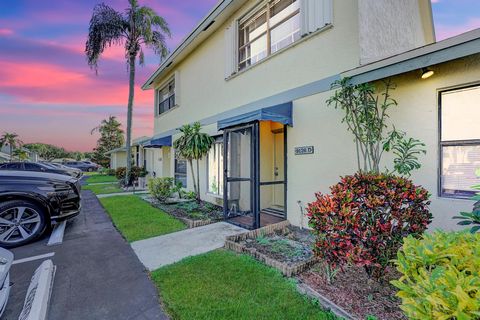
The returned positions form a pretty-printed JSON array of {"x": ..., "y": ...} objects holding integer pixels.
[
  {"x": 192, "y": 213},
  {"x": 355, "y": 292},
  {"x": 290, "y": 245}
]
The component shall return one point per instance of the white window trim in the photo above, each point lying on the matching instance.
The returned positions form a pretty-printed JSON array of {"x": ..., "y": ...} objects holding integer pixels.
[
  {"x": 176, "y": 78},
  {"x": 273, "y": 55},
  {"x": 231, "y": 33}
]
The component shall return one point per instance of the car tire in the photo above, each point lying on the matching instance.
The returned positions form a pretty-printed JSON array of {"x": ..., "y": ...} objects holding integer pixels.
[{"x": 16, "y": 231}]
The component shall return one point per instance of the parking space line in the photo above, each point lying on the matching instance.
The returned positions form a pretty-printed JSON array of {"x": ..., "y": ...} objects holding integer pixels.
[
  {"x": 41, "y": 256},
  {"x": 57, "y": 234}
]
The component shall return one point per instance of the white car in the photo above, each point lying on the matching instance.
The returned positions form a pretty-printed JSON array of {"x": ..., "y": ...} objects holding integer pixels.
[{"x": 6, "y": 259}]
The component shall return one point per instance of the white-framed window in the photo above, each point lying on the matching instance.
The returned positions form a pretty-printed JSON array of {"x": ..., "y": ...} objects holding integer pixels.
[
  {"x": 271, "y": 27},
  {"x": 166, "y": 97},
  {"x": 459, "y": 141},
  {"x": 215, "y": 168},
  {"x": 180, "y": 172}
]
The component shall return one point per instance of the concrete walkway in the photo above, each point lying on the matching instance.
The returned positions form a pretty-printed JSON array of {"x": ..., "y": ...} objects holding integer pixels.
[
  {"x": 129, "y": 193},
  {"x": 167, "y": 249}
]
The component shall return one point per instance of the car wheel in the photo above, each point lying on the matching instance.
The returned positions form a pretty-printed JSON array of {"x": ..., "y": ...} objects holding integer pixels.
[{"x": 20, "y": 222}]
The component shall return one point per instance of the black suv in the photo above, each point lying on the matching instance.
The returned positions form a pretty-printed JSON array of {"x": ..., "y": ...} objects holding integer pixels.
[
  {"x": 38, "y": 167},
  {"x": 31, "y": 201}
]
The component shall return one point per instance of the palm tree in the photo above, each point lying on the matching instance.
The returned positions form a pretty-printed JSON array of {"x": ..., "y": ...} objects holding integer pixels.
[
  {"x": 193, "y": 145},
  {"x": 21, "y": 154},
  {"x": 12, "y": 140},
  {"x": 138, "y": 26}
]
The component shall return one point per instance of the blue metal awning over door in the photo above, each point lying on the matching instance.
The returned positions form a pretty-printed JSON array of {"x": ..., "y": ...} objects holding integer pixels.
[
  {"x": 158, "y": 143},
  {"x": 281, "y": 113}
]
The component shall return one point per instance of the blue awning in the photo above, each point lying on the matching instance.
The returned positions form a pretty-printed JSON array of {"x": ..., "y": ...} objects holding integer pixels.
[
  {"x": 281, "y": 113},
  {"x": 159, "y": 142}
]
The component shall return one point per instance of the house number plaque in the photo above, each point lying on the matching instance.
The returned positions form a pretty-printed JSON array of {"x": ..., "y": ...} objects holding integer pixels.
[{"x": 304, "y": 150}]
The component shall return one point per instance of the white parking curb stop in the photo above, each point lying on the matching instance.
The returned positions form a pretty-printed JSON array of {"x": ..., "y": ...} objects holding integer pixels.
[
  {"x": 39, "y": 291},
  {"x": 57, "y": 234}
]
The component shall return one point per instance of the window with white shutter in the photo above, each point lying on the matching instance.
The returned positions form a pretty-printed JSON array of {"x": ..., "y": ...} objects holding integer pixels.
[{"x": 270, "y": 27}]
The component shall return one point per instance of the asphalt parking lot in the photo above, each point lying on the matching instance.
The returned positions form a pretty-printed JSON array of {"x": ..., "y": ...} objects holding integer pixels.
[{"x": 98, "y": 275}]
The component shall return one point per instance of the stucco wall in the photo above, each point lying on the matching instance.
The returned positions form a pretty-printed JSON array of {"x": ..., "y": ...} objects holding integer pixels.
[
  {"x": 390, "y": 27},
  {"x": 204, "y": 91},
  {"x": 417, "y": 114}
]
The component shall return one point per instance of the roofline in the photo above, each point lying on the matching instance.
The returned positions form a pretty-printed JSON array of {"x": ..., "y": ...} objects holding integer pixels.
[
  {"x": 201, "y": 27},
  {"x": 465, "y": 44}
]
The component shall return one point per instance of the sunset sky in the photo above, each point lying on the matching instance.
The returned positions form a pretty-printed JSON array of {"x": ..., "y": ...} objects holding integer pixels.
[{"x": 49, "y": 94}]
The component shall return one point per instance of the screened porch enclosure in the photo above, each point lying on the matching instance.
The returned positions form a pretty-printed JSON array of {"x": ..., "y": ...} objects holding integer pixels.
[{"x": 254, "y": 182}]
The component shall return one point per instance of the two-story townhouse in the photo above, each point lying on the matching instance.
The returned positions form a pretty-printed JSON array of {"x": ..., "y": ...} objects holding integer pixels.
[{"x": 257, "y": 75}]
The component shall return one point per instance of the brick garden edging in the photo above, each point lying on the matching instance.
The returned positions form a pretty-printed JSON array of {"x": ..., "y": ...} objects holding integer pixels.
[
  {"x": 231, "y": 243},
  {"x": 324, "y": 301}
]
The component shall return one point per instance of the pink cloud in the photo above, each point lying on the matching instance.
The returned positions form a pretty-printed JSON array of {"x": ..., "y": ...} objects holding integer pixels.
[
  {"x": 5, "y": 32},
  {"x": 448, "y": 31}
]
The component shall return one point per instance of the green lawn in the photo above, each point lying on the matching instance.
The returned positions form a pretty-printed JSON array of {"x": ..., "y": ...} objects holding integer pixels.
[
  {"x": 99, "y": 178},
  {"x": 137, "y": 220},
  {"x": 225, "y": 285},
  {"x": 103, "y": 188}
]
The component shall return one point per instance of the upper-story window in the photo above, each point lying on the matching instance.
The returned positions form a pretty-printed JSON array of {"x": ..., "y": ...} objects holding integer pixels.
[
  {"x": 459, "y": 141},
  {"x": 269, "y": 28},
  {"x": 166, "y": 97}
]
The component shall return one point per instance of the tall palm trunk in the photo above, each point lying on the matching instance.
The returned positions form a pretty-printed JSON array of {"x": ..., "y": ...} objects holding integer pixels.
[
  {"x": 131, "y": 92},
  {"x": 190, "y": 161},
  {"x": 198, "y": 182}
]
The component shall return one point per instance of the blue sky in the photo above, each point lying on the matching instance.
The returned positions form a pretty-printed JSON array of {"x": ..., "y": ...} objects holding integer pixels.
[{"x": 49, "y": 94}]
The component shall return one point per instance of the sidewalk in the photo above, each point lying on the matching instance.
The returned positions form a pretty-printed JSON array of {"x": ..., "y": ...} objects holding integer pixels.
[{"x": 167, "y": 249}]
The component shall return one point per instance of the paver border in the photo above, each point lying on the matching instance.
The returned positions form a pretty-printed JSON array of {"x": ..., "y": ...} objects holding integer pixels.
[{"x": 231, "y": 243}]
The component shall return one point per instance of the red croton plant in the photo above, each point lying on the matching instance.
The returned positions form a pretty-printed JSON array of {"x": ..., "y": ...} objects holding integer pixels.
[{"x": 365, "y": 219}]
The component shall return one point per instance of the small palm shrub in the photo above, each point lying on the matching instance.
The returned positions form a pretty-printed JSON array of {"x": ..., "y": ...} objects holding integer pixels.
[
  {"x": 365, "y": 218},
  {"x": 440, "y": 276},
  {"x": 161, "y": 188}
]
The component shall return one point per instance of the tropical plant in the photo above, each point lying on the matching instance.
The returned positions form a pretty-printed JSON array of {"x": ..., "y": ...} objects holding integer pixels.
[
  {"x": 440, "y": 276},
  {"x": 406, "y": 152},
  {"x": 366, "y": 114},
  {"x": 21, "y": 154},
  {"x": 111, "y": 137},
  {"x": 135, "y": 173},
  {"x": 365, "y": 218},
  {"x": 12, "y": 140},
  {"x": 471, "y": 218},
  {"x": 193, "y": 145},
  {"x": 138, "y": 26},
  {"x": 161, "y": 188}
]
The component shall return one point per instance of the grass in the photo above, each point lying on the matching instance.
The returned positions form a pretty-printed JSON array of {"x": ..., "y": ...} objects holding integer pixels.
[
  {"x": 225, "y": 285},
  {"x": 137, "y": 220},
  {"x": 100, "y": 178},
  {"x": 103, "y": 188}
]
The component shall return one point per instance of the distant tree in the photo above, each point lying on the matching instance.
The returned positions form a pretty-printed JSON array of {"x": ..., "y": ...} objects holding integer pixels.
[
  {"x": 193, "y": 145},
  {"x": 47, "y": 151},
  {"x": 12, "y": 140},
  {"x": 111, "y": 137},
  {"x": 138, "y": 26},
  {"x": 21, "y": 154}
]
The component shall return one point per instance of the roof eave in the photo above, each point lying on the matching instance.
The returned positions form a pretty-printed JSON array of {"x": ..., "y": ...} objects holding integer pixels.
[{"x": 203, "y": 26}]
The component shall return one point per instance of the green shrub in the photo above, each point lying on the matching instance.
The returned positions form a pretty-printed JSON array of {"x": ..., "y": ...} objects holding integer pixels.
[
  {"x": 364, "y": 220},
  {"x": 440, "y": 276},
  {"x": 161, "y": 188},
  {"x": 135, "y": 173}
]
